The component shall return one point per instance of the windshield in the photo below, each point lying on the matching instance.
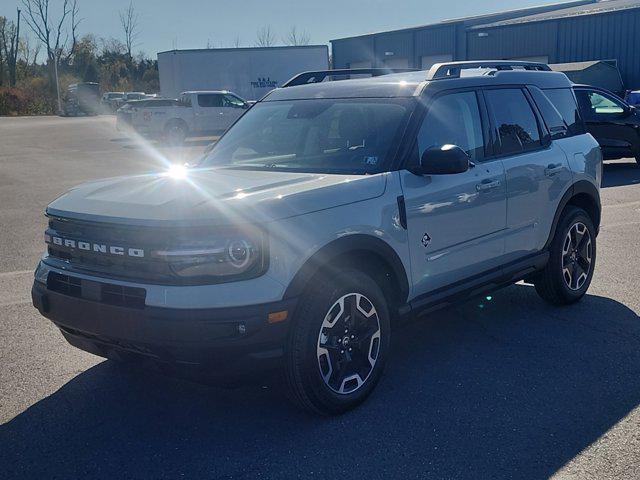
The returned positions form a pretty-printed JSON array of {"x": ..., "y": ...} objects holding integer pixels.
[
  {"x": 634, "y": 98},
  {"x": 348, "y": 136}
]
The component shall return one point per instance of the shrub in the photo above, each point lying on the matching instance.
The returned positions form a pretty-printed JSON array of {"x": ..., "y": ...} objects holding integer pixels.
[{"x": 31, "y": 98}]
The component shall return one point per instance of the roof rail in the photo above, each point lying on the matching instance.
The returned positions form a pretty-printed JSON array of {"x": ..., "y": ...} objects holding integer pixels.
[
  {"x": 453, "y": 69},
  {"x": 318, "y": 76}
]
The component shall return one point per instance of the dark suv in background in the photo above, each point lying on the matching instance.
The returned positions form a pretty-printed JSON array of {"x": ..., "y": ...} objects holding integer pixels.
[{"x": 614, "y": 123}]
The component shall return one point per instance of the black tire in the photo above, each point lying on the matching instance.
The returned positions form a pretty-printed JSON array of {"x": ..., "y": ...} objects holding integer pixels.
[
  {"x": 638, "y": 160},
  {"x": 562, "y": 281},
  {"x": 303, "y": 360},
  {"x": 175, "y": 133}
]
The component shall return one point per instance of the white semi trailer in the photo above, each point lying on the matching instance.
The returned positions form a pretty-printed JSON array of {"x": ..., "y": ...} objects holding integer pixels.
[{"x": 248, "y": 72}]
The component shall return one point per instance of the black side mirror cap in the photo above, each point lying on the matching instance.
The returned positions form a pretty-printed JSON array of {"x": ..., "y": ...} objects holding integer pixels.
[{"x": 443, "y": 160}]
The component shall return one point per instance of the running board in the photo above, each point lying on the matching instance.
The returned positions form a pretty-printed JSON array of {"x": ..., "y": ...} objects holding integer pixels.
[{"x": 475, "y": 286}]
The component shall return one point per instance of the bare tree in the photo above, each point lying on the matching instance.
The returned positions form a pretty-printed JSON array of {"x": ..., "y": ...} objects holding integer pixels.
[
  {"x": 265, "y": 37},
  {"x": 9, "y": 38},
  {"x": 294, "y": 37},
  {"x": 29, "y": 51},
  {"x": 75, "y": 21},
  {"x": 48, "y": 31},
  {"x": 129, "y": 20},
  {"x": 237, "y": 42},
  {"x": 3, "y": 21}
]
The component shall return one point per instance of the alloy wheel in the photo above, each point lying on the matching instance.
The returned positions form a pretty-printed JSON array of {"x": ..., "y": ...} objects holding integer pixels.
[
  {"x": 348, "y": 343},
  {"x": 576, "y": 256}
]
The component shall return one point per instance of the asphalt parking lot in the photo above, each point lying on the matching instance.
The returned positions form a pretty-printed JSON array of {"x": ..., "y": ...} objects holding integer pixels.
[{"x": 502, "y": 388}]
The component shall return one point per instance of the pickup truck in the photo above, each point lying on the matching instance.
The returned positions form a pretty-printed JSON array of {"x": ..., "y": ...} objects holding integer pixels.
[{"x": 195, "y": 113}]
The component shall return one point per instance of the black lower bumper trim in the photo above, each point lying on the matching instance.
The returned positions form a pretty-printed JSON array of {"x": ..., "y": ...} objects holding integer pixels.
[{"x": 223, "y": 341}]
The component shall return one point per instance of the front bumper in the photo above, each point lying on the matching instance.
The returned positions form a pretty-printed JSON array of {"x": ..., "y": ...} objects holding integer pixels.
[{"x": 219, "y": 342}]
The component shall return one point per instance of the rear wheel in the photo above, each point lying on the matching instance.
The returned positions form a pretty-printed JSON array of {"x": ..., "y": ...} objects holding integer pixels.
[
  {"x": 568, "y": 274},
  {"x": 338, "y": 344}
]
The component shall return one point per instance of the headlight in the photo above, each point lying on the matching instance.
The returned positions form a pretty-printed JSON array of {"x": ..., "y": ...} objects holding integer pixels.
[{"x": 228, "y": 256}]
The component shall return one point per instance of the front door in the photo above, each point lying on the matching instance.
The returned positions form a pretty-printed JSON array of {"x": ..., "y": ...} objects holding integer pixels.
[
  {"x": 455, "y": 222},
  {"x": 613, "y": 124},
  {"x": 232, "y": 109},
  {"x": 209, "y": 113}
]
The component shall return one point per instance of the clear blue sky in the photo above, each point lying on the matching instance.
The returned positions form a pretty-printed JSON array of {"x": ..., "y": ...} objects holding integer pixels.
[{"x": 192, "y": 23}]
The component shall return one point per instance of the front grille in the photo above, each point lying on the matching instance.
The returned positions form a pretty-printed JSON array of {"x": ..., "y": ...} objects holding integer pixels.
[
  {"x": 146, "y": 268},
  {"x": 146, "y": 239},
  {"x": 109, "y": 293}
]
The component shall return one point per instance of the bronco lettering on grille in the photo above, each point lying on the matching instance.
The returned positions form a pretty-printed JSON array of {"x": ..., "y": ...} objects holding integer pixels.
[{"x": 95, "y": 247}]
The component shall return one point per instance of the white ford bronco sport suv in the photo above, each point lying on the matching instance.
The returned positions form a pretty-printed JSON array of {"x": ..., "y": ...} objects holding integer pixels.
[{"x": 329, "y": 212}]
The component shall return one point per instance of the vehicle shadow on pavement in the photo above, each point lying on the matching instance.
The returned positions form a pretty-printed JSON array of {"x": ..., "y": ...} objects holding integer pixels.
[
  {"x": 620, "y": 174},
  {"x": 506, "y": 387}
]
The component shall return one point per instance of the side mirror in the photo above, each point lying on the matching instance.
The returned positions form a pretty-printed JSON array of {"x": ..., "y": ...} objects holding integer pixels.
[{"x": 443, "y": 160}]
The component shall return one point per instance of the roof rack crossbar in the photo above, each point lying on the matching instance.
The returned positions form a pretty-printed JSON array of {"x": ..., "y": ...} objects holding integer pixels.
[
  {"x": 318, "y": 76},
  {"x": 454, "y": 69}
]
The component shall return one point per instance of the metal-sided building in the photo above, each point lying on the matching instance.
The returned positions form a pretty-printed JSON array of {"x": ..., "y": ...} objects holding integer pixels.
[{"x": 560, "y": 33}]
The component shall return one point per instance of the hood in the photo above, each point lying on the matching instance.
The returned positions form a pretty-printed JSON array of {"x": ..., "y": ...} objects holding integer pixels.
[{"x": 212, "y": 197}]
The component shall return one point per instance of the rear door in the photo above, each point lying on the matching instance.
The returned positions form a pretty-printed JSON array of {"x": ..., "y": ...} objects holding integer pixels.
[
  {"x": 613, "y": 124},
  {"x": 209, "y": 113},
  {"x": 455, "y": 222},
  {"x": 537, "y": 169}
]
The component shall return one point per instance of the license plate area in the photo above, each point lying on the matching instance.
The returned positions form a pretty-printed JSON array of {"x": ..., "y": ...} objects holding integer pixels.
[{"x": 103, "y": 292}]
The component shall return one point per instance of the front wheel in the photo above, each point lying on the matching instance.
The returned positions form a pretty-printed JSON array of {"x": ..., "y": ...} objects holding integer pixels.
[
  {"x": 338, "y": 344},
  {"x": 572, "y": 259}
]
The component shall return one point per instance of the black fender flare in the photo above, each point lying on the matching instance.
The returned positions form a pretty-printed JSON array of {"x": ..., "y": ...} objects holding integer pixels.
[
  {"x": 355, "y": 243},
  {"x": 580, "y": 187}
]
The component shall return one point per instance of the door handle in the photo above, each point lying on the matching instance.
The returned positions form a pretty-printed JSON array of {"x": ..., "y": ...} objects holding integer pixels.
[
  {"x": 552, "y": 169},
  {"x": 487, "y": 184}
]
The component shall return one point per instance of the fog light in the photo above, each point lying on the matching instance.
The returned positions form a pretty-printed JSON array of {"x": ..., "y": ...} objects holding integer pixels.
[{"x": 242, "y": 328}]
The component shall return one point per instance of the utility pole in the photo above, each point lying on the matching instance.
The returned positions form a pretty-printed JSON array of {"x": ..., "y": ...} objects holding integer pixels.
[
  {"x": 55, "y": 69},
  {"x": 14, "y": 60}
]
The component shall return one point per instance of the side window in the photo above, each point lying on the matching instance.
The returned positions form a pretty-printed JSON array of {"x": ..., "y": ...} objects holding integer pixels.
[
  {"x": 185, "y": 101},
  {"x": 209, "y": 100},
  {"x": 516, "y": 123},
  {"x": 453, "y": 119},
  {"x": 552, "y": 117},
  {"x": 232, "y": 101},
  {"x": 565, "y": 102},
  {"x": 598, "y": 103}
]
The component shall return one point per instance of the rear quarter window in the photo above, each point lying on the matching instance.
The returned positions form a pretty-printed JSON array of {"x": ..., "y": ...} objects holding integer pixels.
[{"x": 564, "y": 101}]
